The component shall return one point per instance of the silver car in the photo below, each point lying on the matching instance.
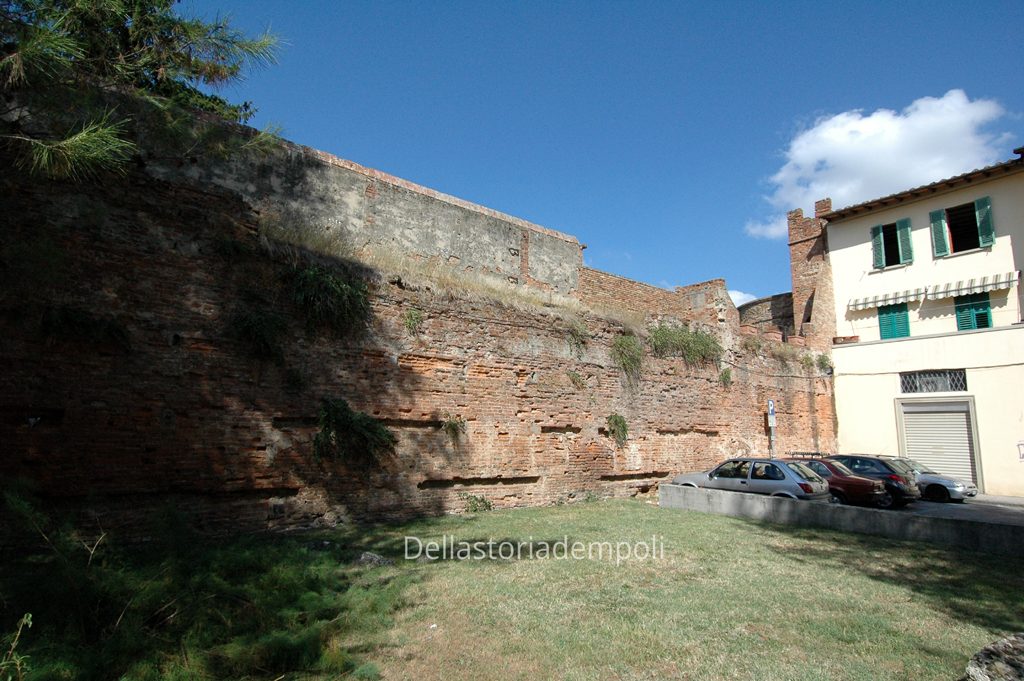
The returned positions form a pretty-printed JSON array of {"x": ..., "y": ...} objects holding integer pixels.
[
  {"x": 761, "y": 476},
  {"x": 939, "y": 486}
]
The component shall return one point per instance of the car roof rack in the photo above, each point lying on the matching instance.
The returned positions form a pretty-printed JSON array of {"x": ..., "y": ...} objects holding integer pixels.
[{"x": 807, "y": 455}]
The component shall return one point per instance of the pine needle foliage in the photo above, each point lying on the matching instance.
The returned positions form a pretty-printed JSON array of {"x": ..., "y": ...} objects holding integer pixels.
[
  {"x": 56, "y": 56},
  {"x": 349, "y": 434}
]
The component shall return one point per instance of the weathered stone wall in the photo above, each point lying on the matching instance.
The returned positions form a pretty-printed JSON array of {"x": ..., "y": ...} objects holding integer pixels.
[
  {"x": 376, "y": 212},
  {"x": 184, "y": 417}
]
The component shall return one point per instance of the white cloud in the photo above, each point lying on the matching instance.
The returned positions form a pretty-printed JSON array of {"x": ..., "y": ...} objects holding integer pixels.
[
  {"x": 853, "y": 157},
  {"x": 774, "y": 227},
  {"x": 740, "y": 297}
]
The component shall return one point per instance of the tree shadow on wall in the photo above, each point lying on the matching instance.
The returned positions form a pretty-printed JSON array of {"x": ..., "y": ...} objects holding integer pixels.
[{"x": 193, "y": 413}]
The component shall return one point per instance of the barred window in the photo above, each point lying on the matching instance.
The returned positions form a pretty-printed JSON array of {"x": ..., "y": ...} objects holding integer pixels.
[{"x": 942, "y": 381}]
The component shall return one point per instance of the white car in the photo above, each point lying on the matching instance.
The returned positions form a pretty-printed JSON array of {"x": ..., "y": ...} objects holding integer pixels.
[
  {"x": 761, "y": 476},
  {"x": 939, "y": 486}
]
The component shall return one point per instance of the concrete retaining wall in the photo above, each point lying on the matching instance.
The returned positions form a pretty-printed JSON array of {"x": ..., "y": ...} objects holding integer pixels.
[{"x": 969, "y": 535}]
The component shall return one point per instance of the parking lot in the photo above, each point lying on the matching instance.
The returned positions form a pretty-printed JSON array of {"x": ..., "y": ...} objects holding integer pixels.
[{"x": 985, "y": 508}]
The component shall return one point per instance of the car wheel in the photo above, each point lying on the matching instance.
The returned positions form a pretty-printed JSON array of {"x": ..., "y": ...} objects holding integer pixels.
[
  {"x": 937, "y": 493},
  {"x": 837, "y": 498},
  {"x": 885, "y": 501}
]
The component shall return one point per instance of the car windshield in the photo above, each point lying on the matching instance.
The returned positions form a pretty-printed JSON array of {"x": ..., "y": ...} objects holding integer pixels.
[
  {"x": 841, "y": 468},
  {"x": 803, "y": 471},
  {"x": 900, "y": 465},
  {"x": 920, "y": 467}
]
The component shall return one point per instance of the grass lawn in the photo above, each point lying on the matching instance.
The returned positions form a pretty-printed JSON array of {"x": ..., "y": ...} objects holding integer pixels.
[{"x": 730, "y": 599}]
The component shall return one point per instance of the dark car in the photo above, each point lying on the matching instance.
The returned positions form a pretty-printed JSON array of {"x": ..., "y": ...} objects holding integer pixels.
[
  {"x": 846, "y": 487},
  {"x": 899, "y": 479}
]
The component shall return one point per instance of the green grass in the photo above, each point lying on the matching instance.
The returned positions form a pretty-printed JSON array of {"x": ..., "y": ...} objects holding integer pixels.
[
  {"x": 628, "y": 354},
  {"x": 618, "y": 428},
  {"x": 695, "y": 347},
  {"x": 730, "y": 599},
  {"x": 327, "y": 299}
]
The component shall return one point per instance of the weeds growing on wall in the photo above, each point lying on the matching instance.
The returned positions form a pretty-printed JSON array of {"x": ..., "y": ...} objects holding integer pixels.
[
  {"x": 725, "y": 377},
  {"x": 454, "y": 426},
  {"x": 618, "y": 429},
  {"x": 329, "y": 300},
  {"x": 752, "y": 344},
  {"x": 577, "y": 381},
  {"x": 807, "y": 362},
  {"x": 628, "y": 354},
  {"x": 413, "y": 321},
  {"x": 259, "y": 330},
  {"x": 577, "y": 337},
  {"x": 824, "y": 363},
  {"x": 784, "y": 354},
  {"x": 476, "y": 503},
  {"x": 349, "y": 434},
  {"x": 695, "y": 347}
]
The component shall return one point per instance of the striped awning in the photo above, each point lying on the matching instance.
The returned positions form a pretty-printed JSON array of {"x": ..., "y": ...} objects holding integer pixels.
[
  {"x": 894, "y": 298},
  {"x": 965, "y": 287}
]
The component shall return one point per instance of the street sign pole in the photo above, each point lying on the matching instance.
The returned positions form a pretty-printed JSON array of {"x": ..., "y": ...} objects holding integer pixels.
[{"x": 771, "y": 429}]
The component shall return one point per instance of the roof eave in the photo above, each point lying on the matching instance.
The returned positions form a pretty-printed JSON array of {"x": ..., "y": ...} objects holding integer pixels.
[{"x": 933, "y": 189}]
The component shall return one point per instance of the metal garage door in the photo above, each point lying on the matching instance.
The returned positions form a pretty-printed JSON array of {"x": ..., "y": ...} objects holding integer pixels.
[{"x": 938, "y": 434}]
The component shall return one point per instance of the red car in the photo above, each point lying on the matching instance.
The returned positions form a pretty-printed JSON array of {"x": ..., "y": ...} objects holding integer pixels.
[{"x": 846, "y": 486}]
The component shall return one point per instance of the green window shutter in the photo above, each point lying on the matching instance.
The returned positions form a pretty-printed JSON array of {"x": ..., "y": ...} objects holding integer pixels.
[
  {"x": 893, "y": 321},
  {"x": 877, "y": 247},
  {"x": 906, "y": 244},
  {"x": 884, "y": 323},
  {"x": 973, "y": 312},
  {"x": 964, "y": 314},
  {"x": 982, "y": 312},
  {"x": 901, "y": 322},
  {"x": 986, "y": 230},
  {"x": 940, "y": 244}
]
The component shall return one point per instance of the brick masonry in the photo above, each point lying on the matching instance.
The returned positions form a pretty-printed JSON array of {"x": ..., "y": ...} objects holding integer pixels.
[
  {"x": 769, "y": 314},
  {"x": 813, "y": 309},
  {"x": 185, "y": 418}
]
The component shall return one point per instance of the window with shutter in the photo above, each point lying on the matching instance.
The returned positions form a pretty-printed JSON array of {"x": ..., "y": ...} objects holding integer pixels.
[
  {"x": 973, "y": 312},
  {"x": 940, "y": 243},
  {"x": 962, "y": 228},
  {"x": 903, "y": 238},
  {"x": 893, "y": 321},
  {"x": 983, "y": 215},
  {"x": 891, "y": 244}
]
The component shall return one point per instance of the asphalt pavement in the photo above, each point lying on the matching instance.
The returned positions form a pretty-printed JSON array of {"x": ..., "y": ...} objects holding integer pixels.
[{"x": 984, "y": 507}]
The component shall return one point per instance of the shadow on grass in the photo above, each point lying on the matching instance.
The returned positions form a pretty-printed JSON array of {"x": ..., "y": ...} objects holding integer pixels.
[
  {"x": 977, "y": 588},
  {"x": 185, "y": 606}
]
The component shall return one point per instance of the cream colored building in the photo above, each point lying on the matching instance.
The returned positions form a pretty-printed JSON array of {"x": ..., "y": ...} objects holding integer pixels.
[{"x": 929, "y": 354}]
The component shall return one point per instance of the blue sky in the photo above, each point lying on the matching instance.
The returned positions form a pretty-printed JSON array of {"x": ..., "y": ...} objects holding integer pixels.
[{"x": 668, "y": 137}]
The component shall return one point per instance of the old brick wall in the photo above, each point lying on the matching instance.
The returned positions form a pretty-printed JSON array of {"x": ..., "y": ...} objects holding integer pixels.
[
  {"x": 813, "y": 306},
  {"x": 771, "y": 313},
  {"x": 706, "y": 302},
  {"x": 378, "y": 213},
  {"x": 185, "y": 418}
]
